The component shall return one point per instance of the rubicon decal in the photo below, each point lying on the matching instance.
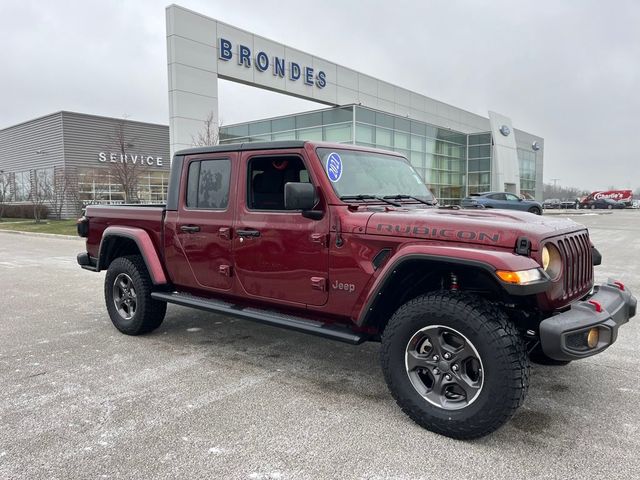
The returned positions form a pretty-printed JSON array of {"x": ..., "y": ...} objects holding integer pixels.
[{"x": 434, "y": 232}]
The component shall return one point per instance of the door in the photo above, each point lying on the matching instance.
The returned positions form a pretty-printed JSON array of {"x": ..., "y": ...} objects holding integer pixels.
[
  {"x": 514, "y": 202},
  {"x": 510, "y": 187},
  {"x": 278, "y": 254},
  {"x": 205, "y": 219}
]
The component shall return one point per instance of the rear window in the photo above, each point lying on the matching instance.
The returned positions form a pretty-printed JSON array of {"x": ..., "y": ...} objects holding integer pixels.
[{"x": 208, "y": 184}]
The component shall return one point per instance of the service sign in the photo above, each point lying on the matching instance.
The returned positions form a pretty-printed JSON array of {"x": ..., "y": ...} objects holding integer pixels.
[{"x": 130, "y": 158}]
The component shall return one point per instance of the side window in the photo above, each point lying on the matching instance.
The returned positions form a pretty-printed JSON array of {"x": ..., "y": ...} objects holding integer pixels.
[
  {"x": 267, "y": 177},
  {"x": 208, "y": 184},
  {"x": 512, "y": 198},
  {"x": 497, "y": 196}
]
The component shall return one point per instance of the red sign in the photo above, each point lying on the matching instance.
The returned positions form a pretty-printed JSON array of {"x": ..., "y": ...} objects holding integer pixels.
[{"x": 617, "y": 195}]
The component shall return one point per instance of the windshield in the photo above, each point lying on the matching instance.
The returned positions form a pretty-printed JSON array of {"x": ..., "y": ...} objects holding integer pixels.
[{"x": 371, "y": 175}]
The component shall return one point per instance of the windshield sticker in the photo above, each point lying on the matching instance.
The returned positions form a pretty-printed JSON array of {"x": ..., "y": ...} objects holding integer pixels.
[{"x": 334, "y": 167}]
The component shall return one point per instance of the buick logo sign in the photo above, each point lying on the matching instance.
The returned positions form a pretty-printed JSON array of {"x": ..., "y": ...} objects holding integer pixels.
[
  {"x": 504, "y": 130},
  {"x": 535, "y": 146}
]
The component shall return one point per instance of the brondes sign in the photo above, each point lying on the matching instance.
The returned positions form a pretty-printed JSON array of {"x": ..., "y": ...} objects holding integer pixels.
[{"x": 263, "y": 62}]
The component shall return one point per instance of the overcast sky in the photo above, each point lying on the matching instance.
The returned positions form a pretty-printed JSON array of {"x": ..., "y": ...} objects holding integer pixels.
[{"x": 568, "y": 71}]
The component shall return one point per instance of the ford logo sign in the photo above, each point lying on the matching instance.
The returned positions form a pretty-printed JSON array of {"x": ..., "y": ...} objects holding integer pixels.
[
  {"x": 535, "y": 146},
  {"x": 504, "y": 130}
]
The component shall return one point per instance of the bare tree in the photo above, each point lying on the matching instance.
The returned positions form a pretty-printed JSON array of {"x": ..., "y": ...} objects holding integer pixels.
[
  {"x": 123, "y": 169},
  {"x": 552, "y": 190},
  {"x": 41, "y": 191},
  {"x": 62, "y": 190},
  {"x": 210, "y": 133},
  {"x": 5, "y": 191}
]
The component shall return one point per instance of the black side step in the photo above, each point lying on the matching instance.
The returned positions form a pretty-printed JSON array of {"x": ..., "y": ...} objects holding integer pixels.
[{"x": 263, "y": 316}]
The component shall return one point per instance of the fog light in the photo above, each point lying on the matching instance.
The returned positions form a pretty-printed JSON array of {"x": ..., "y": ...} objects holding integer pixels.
[{"x": 593, "y": 337}]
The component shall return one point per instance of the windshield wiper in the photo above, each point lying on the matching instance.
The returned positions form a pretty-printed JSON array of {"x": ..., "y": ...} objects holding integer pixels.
[
  {"x": 410, "y": 197},
  {"x": 369, "y": 197}
]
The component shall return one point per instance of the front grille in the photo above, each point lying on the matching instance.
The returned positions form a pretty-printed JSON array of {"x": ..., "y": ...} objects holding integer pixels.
[{"x": 575, "y": 250}]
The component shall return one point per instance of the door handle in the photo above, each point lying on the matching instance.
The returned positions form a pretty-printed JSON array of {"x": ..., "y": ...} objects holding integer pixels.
[
  {"x": 248, "y": 233},
  {"x": 190, "y": 228}
]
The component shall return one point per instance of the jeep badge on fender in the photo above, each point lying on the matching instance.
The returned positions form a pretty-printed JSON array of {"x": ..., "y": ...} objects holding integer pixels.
[
  {"x": 282, "y": 232},
  {"x": 347, "y": 287}
]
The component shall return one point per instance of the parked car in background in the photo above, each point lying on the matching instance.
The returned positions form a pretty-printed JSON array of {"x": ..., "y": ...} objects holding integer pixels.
[
  {"x": 602, "y": 203},
  {"x": 571, "y": 203},
  {"x": 552, "y": 203},
  {"x": 501, "y": 200}
]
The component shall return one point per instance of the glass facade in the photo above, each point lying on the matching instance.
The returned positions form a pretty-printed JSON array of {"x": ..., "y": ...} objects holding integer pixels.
[
  {"x": 452, "y": 164},
  {"x": 438, "y": 155},
  {"x": 98, "y": 186},
  {"x": 334, "y": 125},
  {"x": 527, "y": 161},
  {"x": 479, "y": 153}
]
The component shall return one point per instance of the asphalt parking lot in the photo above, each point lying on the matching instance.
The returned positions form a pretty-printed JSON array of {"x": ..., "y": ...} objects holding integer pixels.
[{"x": 207, "y": 396}]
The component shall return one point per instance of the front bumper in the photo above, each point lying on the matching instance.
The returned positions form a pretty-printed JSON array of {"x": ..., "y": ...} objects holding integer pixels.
[{"x": 563, "y": 336}]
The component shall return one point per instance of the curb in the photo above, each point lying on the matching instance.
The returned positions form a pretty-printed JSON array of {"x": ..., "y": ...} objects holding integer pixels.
[
  {"x": 45, "y": 235},
  {"x": 576, "y": 212}
]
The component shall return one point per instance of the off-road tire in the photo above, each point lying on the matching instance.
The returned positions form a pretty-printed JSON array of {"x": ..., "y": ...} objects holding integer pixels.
[
  {"x": 538, "y": 356},
  {"x": 535, "y": 210},
  {"x": 498, "y": 343},
  {"x": 149, "y": 313}
]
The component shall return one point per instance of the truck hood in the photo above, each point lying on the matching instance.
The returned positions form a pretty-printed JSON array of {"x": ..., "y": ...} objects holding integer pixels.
[{"x": 499, "y": 228}]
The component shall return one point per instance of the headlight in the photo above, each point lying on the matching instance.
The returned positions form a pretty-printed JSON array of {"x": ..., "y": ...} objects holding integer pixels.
[
  {"x": 551, "y": 261},
  {"x": 520, "y": 277}
]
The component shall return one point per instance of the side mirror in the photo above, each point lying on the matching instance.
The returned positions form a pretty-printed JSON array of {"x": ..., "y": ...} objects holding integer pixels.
[{"x": 299, "y": 196}]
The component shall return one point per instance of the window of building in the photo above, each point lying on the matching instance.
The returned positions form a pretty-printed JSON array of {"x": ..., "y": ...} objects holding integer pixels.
[
  {"x": 365, "y": 134},
  {"x": 338, "y": 133},
  {"x": 208, "y": 184},
  {"x": 268, "y": 175},
  {"x": 43, "y": 184},
  {"x": 313, "y": 134},
  {"x": 99, "y": 186},
  {"x": 22, "y": 182}
]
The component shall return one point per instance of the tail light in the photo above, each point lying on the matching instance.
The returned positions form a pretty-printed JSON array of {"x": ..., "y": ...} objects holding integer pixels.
[{"x": 83, "y": 227}]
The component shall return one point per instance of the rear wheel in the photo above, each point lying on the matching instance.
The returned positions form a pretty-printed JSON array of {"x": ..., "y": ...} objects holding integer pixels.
[
  {"x": 535, "y": 211},
  {"x": 455, "y": 364},
  {"x": 127, "y": 292}
]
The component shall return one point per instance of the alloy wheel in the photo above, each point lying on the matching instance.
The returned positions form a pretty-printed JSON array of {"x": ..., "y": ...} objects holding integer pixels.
[
  {"x": 444, "y": 367},
  {"x": 124, "y": 296}
]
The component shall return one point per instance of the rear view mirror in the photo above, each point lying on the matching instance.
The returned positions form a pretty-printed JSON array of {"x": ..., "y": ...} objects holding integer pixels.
[{"x": 299, "y": 196}]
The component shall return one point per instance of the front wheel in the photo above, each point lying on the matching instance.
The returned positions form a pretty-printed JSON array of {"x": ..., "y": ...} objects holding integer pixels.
[
  {"x": 455, "y": 364},
  {"x": 535, "y": 211},
  {"x": 127, "y": 292}
]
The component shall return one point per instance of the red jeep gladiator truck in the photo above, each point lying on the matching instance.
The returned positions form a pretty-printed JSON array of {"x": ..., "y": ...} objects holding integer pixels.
[{"x": 348, "y": 243}]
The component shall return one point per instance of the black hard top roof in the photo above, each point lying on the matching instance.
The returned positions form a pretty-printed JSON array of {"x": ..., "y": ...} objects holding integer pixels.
[
  {"x": 281, "y": 144},
  {"x": 235, "y": 147}
]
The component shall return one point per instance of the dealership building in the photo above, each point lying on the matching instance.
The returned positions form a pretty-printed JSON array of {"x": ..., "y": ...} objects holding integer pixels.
[
  {"x": 66, "y": 160},
  {"x": 85, "y": 157},
  {"x": 455, "y": 151}
]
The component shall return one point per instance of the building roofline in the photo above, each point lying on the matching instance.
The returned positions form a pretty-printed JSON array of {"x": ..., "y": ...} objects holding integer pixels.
[
  {"x": 59, "y": 112},
  {"x": 69, "y": 112}
]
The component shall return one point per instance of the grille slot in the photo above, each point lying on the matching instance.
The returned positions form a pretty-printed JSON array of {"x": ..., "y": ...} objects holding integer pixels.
[{"x": 577, "y": 263}]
